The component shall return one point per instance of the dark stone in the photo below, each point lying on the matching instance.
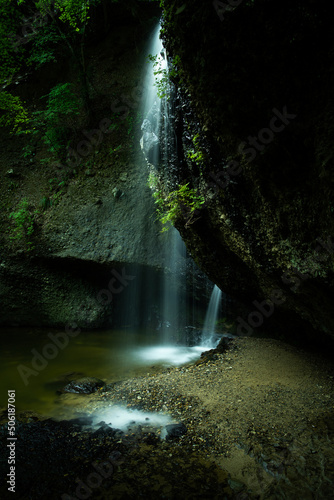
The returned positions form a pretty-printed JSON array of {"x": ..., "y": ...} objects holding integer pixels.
[
  {"x": 104, "y": 430},
  {"x": 12, "y": 174},
  {"x": 149, "y": 144},
  {"x": 175, "y": 431},
  {"x": 224, "y": 343},
  {"x": 85, "y": 385},
  {"x": 82, "y": 421}
]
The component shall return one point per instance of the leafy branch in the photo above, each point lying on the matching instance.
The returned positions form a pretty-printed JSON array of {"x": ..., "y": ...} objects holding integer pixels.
[
  {"x": 62, "y": 107},
  {"x": 183, "y": 202},
  {"x": 163, "y": 76}
]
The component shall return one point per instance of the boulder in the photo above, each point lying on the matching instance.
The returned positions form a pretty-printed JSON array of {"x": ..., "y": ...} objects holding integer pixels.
[
  {"x": 175, "y": 431},
  {"x": 149, "y": 142},
  {"x": 85, "y": 385}
]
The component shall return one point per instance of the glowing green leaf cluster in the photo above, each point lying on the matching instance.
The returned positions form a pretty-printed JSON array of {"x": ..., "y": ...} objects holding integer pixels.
[{"x": 12, "y": 112}]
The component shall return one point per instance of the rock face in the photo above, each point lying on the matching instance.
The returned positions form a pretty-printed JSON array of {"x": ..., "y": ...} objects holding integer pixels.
[
  {"x": 254, "y": 117},
  {"x": 98, "y": 257},
  {"x": 149, "y": 142}
]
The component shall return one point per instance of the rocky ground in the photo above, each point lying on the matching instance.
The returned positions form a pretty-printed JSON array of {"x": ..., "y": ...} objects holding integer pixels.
[
  {"x": 259, "y": 421},
  {"x": 262, "y": 410}
]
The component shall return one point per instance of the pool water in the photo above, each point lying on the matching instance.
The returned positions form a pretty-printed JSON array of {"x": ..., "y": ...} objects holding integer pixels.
[{"x": 33, "y": 365}]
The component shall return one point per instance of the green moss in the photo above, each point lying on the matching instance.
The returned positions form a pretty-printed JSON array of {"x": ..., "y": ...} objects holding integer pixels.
[{"x": 24, "y": 224}]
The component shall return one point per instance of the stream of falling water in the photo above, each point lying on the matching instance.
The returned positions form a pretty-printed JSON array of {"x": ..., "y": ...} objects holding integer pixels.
[
  {"x": 116, "y": 354},
  {"x": 209, "y": 339},
  {"x": 156, "y": 111}
]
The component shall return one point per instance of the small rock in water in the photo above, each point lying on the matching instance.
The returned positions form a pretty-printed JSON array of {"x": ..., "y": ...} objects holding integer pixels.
[
  {"x": 175, "y": 431},
  {"x": 85, "y": 385}
]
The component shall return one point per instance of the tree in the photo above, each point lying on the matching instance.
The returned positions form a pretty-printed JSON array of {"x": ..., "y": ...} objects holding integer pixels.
[
  {"x": 12, "y": 111},
  {"x": 31, "y": 35}
]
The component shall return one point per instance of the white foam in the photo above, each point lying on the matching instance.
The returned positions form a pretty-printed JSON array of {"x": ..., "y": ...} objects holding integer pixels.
[
  {"x": 170, "y": 355},
  {"x": 121, "y": 418}
]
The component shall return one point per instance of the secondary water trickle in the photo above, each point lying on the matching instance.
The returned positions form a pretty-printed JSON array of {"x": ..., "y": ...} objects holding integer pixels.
[
  {"x": 174, "y": 286},
  {"x": 209, "y": 339}
]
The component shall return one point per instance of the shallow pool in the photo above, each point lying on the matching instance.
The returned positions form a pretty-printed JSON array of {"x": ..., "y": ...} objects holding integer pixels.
[{"x": 33, "y": 361}]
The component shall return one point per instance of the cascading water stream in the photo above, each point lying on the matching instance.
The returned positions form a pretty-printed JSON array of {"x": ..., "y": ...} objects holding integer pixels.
[
  {"x": 208, "y": 335},
  {"x": 151, "y": 103},
  {"x": 159, "y": 146},
  {"x": 173, "y": 287},
  {"x": 156, "y": 120}
]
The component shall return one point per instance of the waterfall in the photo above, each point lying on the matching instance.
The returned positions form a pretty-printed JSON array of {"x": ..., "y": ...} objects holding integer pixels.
[
  {"x": 159, "y": 146},
  {"x": 208, "y": 334},
  {"x": 174, "y": 288},
  {"x": 156, "y": 119},
  {"x": 151, "y": 103}
]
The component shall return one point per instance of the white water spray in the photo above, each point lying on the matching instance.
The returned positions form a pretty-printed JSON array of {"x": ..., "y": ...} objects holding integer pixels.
[
  {"x": 151, "y": 103},
  {"x": 208, "y": 334}
]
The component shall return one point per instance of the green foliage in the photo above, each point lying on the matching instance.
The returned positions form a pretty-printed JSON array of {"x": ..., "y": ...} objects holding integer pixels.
[
  {"x": 62, "y": 107},
  {"x": 28, "y": 151},
  {"x": 61, "y": 101},
  {"x": 73, "y": 13},
  {"x": 56, "y": 190},
  {"x": 10, "y": 57},
  {"x": 35, "y": 41},
  {"x": 24, "y": 220},
  {"x": 164, "y": 76},
  {"x": 56, "y": 138},
  {"x": 43, "y": 46},
  {"x": 12, "y": 113},
  {"x": 196, "y": 154},
  {"x": 55, "y": 184},
  {"x": 181, "y": 203}
]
